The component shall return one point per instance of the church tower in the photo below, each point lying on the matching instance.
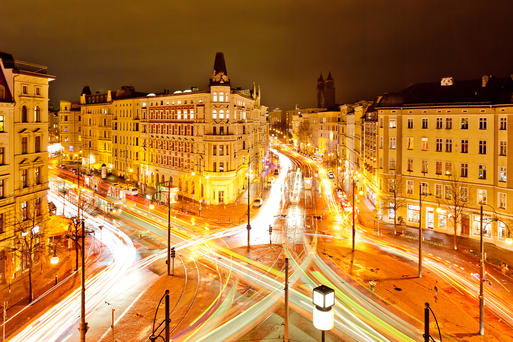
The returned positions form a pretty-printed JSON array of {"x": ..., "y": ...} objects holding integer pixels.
[
  {"x": 320, "y": 92},
  {"x": 329, "y": 92},
  {"x": 219, "y": 75}
]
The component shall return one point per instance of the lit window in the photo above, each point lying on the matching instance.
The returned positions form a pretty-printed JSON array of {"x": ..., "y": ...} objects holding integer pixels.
[
  {"x": 409, "y": 145},
  {"x": 424, "y": 144},
  {"x": 502, "y": 174},
  {"x": 221, "y": 114},
  {"x": 481, "y": 196},
  {"x": 214, "y": 114},
  {"x": 502, "y": 200},
  {"x": 214, "y": 97},
  {"x": 221, "y": 97},
  {"x": 392, "y": 123}
]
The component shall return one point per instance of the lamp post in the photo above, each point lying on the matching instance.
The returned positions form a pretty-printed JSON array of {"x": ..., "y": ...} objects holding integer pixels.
[
  {"x": 420, "y": 224},
  {"x": 249, "y": 220},
  {"x": 353, "y": 232},
  {"x": 324, "y": 300}
]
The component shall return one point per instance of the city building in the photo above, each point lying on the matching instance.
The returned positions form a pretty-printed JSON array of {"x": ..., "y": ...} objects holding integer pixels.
[
  {"x": 53, "y": 126},
  {"x": 69, "y": 129},
  {"x": 23, "y": 162},
  {"x": 198, "y": 142},
  {"x": 447, "y": 141}
]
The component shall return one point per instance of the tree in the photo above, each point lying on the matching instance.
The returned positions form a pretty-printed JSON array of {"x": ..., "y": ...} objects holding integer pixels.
[
  {"x": 304, "y": 131},
  {"x": 28, "y": 240},
  {"x": 398, "y": 201},
  {"x": 457, "y": 198}
]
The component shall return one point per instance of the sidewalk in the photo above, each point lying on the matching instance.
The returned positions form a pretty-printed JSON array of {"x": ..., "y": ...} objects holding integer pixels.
[{"x": 438, "y": 241}]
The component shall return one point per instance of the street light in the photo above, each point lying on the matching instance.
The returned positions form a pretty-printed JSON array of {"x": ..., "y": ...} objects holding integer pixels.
[{"x": 324, "y": 300}]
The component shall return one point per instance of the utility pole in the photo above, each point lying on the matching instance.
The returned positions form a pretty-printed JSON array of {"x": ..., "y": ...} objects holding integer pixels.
[
  {"x": 112, "y": 325},
  {"x": 353, "y": 231},
  {"x": 420, "y": 230},
  {"x": 167, "y": 317},
  {"x": 481, "y": 277},
  {"x": 168, "y": 229},
  {"x": 5, "y": 317},
  {"x": 426, "y": 323},
  {"x": 286, "y": 332},
  {"x": 83, "y": 323},
  {"x": 249, "y": 210}
]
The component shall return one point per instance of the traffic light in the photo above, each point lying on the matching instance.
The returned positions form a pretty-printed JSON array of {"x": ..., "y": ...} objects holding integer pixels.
[
  {"x": 173, "y": 253},
  {"x": 270, "y": 229}
]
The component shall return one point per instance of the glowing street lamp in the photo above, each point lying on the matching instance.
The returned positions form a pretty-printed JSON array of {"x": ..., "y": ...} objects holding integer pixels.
[{"x": 324, "y": 300}]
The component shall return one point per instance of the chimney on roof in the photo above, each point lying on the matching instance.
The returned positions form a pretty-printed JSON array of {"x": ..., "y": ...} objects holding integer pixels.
[{"x": 484, "y": 80}]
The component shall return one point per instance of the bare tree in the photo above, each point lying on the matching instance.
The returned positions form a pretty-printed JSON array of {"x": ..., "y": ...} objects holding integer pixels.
[
  {"x": 398, "y": 201},
  {"x": 305, "y": 131},
  {"x": 28, "y": 241},
  {"x": 457, "y": 198}
]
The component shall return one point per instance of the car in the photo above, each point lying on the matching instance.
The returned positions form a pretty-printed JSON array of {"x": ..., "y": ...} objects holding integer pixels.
[
  {"x": 74, "y": 170},
  {"x": 257, "y": 203},
  {"x": 62, "y": 166},
  {"x": 132, "y": 191},
  {"x": 276, "y": 172},
  {"x": 331, "y": 175}
]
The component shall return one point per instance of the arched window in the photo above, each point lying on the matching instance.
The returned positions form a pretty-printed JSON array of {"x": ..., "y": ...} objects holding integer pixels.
[
  {"x": 24, "y": 115},
  {"x": 214, "y": 114},
  {"x": 221, "y": 114},
  {"x": 221, "y": 97},
  {"x": 214, "y": 97}
]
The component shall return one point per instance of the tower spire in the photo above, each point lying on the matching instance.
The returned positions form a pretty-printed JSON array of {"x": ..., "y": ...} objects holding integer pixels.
[{"x": 219, "y": 75}]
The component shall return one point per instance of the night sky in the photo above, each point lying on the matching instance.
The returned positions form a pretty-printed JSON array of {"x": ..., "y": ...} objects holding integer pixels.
[{"x": 370, "y": 46}]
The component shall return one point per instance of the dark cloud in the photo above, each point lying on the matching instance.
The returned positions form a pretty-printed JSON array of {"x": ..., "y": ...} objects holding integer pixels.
[{"x": 370, "y": 46}]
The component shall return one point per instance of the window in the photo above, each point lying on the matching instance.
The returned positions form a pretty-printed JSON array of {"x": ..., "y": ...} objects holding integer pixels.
[
  {"x": 214, "y": 114},
  {"x": 24, "y": 178},
  {"x": 381, "y": 142},
  {"x": 464, "y": 193},
  {"x": 503, "y": 123},
  {"x": 502, "y": 174},
  {"x": 24, "y": 211},
  {"x": 424, "y": 144},
  {"x": 439, "y": 144},
  {"x": 464, "y": 146},
  {"x": 410, "y": 165},
  {"x": 413, "y": 213},
  {"x": 464, "y": 123},
  {"x": 37, "y": 144},
  {"x": 439, "y": 123},
  {"x": 476, "y": 226},
  {"x": 448, "y": 168},
  {"x": 409, "y": 143},
  {"x": 2, "y": 155},
  {"x": 37, "y": 175},
  {"x": 24, "y": 143},
  {"x": 391, "y": 185},
  {"x": 463, "y": 170},
  {"x": 24, "y": 115},
  {"x": 503, "y": 150},
  {"x": 481, "y": 196},
  {"x": 448, "y": 145},
  {"x": 2, "y": 127},
  {"x": 221, "y": 97},
  {"x": 37, "y": 206},
  {"x": 214, "y": 150},
  {"x": 438, "y": 190},
  {"x": 448, "y": 123},
  {"x": 448, "y": 192},
  {"x": 482, "y": 123},
  {"x": 24, "y": 89},
  {"x": 410, "y": 123},
  {"x": 221, "y": 114},
  {"x": 424, "y": 166},
  {"x": 381, "y": 123},
  {"x": 424, "y": 188},
  {"x": 214, "y": 97},
  {"x": 215, "y": 167},
  {"x": 409, "y": 187},
  {"x": 391, "y": 163},
  {"x": 392, "y": 143},
  {"x": 438, "y": 168},
  {"x": 502, "y": 200},
  {"x": 424, "y": 123},
  {"x": 482, "y": 146},
  {"x": 221, "y": 150},
  {"x": 392, "y": 123},
  {"x": 481, "y": 171},
  {"x": 2, "y": 184},
  {"x": 37, "y": 114},
  {"x": 501, "y": 230}
]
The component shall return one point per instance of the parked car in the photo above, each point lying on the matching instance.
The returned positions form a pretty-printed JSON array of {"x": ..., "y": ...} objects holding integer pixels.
[
  {"x": 257, "y": 203},
  {"x": 132, "y": 191},
  {"x": 331, "y": 175}
]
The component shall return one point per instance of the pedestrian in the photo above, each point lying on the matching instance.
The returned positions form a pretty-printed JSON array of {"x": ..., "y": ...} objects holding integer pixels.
[
  {"x": 436, "y": 292},
  {"x": 372, "y": 285}
]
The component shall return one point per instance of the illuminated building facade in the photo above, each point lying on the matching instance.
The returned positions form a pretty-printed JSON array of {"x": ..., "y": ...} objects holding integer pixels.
[
  {"x": 23, "y": 158},
  {"x": 69, "y": 124},
  {"x": 448, "y": 140}
]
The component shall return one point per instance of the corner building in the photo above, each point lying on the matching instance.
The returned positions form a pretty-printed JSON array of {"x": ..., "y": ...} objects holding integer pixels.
[{"x": 204, "y": 142}]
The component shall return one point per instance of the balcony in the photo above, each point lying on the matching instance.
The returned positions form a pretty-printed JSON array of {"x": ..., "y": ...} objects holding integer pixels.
[{"x": 226, "y": 137}]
